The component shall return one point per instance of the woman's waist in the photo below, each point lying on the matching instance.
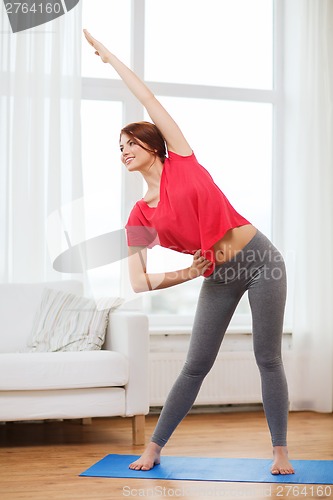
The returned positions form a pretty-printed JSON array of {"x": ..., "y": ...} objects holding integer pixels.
[
  {"x": 234, "y": 241},
  {"x": 224, "y": 249}
]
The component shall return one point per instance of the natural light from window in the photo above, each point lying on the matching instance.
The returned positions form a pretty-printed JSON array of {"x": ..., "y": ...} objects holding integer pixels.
[
  {"x": 101, "y": 121},
  {"x": 215, "y": 42},
  {"x": 110, "y": 22}
]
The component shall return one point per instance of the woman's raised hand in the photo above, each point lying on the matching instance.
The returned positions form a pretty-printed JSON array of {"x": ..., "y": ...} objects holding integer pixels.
[{"x": 100, "y": 50}]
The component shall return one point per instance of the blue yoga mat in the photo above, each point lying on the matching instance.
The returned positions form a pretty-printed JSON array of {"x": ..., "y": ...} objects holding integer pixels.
[{"x": 247, "y": 470}]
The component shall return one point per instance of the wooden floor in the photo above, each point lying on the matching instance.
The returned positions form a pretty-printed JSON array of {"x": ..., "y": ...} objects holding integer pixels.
[{"x": 42, "y": 461}]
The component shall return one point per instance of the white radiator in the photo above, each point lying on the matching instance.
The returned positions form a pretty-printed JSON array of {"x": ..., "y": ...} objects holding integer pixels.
[{"x": 234, "y": 378}]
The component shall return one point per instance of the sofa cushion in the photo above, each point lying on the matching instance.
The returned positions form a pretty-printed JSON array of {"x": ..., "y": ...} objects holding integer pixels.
[
  {"x": 62, "y": 370},
  {"x": 68, "y": 403},
  {"x": 67, "y": 322},
  {"x": 19, "y": 302}
]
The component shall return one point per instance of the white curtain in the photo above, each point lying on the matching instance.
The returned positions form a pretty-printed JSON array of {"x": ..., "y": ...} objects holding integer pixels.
[
  {"x": 40, "y": 151},
  {"x": 308, "y": 203}
]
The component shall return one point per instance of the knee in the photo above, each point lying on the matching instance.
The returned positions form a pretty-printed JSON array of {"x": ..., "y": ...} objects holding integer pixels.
[
  {"x": 268, "y": 363},
  {"x": 196, "y": 370}
]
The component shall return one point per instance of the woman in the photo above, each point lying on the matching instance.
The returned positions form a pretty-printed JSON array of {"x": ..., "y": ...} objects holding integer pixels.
[{"x": 183, "y": 209}]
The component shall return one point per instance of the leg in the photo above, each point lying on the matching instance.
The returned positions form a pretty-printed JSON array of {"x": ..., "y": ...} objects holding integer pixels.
[
  {"x": 138, "y": 429},
  {"x": 215, "y": 309},
  {"x": 267, "y": 295},
  {"x": 217, "y": 303}
]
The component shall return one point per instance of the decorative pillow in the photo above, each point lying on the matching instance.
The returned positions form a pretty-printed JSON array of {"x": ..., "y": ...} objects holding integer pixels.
[{"x": 67, "y": 322}]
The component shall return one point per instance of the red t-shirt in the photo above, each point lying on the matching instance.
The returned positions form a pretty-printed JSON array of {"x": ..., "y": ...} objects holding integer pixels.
[{"x": 192, "y": 213}]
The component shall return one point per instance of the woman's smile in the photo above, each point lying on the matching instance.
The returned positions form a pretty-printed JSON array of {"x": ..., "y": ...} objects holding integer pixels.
[{"x": 129, "y": 159}]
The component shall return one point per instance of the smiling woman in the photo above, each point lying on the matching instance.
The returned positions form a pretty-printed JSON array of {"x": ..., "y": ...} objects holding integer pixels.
[
  {"x": 228, "y": 251},
  {"x": 238, "y": 116}
]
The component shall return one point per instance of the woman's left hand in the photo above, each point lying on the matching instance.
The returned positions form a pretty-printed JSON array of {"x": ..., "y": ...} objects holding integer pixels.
[
  {"x": 199, "y": 265},
  {"x": 100, "y": 50}
]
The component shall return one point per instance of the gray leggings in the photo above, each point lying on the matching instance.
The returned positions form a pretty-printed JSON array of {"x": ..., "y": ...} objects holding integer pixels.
[{"x": 258, "y": 268}]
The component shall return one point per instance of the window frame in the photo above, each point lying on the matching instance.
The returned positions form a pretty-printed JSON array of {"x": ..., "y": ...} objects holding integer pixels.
[{"x": 115, "y": 90}]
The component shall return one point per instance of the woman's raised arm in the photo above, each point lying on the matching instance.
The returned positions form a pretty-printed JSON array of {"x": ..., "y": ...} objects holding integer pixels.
[{"x": 173, "y": 135}]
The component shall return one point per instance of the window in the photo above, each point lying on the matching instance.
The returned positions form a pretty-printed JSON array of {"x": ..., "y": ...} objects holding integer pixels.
[
  {"x": 101, "y": 121},
  {"x": 211, "y": 64},
  {"x": 216, "y": 42}
]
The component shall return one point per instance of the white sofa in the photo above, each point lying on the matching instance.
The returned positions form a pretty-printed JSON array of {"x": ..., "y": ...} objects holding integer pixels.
[{"x": 70, "y": 385}]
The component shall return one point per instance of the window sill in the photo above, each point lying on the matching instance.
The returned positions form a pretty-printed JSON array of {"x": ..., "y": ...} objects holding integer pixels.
[
  {"x": 183, "y": 330},
  {"x": 182, "y": 325}
]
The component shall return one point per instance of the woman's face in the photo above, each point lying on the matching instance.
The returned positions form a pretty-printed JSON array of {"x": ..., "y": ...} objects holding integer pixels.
[{"x": 133, "y": 156}]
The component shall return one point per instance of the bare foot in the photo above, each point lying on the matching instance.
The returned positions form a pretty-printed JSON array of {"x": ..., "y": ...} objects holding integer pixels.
[
  {"x": 281, "y": 463},
  {"x": 148, "y": 459}
]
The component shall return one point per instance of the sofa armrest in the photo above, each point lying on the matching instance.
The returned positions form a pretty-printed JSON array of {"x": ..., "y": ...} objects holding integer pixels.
[{"x": 128, "y": 334}]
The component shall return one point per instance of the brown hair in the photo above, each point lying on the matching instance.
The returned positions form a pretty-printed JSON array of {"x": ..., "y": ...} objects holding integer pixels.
[{"x": 148, "y": 136}]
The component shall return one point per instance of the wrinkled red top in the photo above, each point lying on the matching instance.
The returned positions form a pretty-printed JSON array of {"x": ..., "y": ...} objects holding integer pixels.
[{"x": 192, "y": 213}]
